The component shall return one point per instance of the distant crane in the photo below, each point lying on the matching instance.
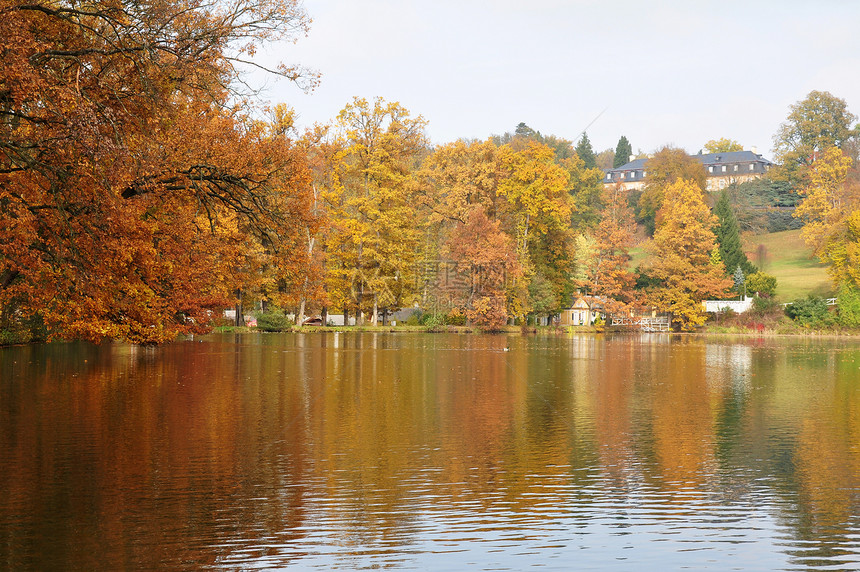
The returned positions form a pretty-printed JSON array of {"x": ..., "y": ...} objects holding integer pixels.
[{"x": 592, "y": 122}]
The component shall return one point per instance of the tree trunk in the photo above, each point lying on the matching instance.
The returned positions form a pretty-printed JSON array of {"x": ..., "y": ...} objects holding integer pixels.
[
  {"x": 303, "y": 299},
  {"x": 300, "y": 318},
  {"x": 240, "y": 313},
  {"x": 373, "y": 319}
]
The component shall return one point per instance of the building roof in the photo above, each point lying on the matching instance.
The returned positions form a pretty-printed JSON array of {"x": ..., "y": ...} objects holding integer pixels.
[
  {"x": 706, "y": 159},
  {"x": 731, "y": 157},
  {"x": 634, "y": 165},
  {"x": 593, "y": 302}
]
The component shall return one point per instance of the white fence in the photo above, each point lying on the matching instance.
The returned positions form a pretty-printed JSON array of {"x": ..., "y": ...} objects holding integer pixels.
[{"x": 737, "y": 306}]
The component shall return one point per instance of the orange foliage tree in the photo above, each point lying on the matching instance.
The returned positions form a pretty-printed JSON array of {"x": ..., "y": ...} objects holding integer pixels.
[
  {"x": 134, "y": 199},
  {"x": 488, "y": 256},
  {"x": 682, "y": 264},
  {"x": 524, "y": 189},
  {"x": 607, "y": 271}
]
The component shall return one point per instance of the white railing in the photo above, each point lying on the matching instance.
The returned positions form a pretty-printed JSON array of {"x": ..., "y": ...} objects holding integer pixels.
[
  {"x": 829, "y": 301},
  {"x": 647, "y": 324}
]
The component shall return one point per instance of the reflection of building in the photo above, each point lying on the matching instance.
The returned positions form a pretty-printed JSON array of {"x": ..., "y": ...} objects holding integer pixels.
[
  {"x": 723, "y": 169},
  {"x": 729, "y": 364},
  {"x": 583, "y": 312}
]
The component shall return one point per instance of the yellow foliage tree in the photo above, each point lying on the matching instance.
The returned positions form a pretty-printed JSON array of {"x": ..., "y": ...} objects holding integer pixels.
[
  {"x": 682, "y": 247},
  {"x": 374, "y": 239},
  {"x": 458, "y": 176},
  {"x": 831, "y": 213},
  {"x": 537, "y": 205},
  {"x": 664, "y": 168},
  {"x": 723, "y": 145}
]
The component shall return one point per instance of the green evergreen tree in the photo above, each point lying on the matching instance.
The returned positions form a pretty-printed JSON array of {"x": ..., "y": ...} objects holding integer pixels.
[
  {"x": 524, "y": 130},
  {"x": 729, "y": 238},
  {"x": 739, "y": 280},
  {"x": 586, "y": 153},
  {"x": 623, "y": 151}
]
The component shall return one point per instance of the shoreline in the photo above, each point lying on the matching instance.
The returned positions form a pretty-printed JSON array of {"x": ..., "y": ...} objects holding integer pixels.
[
  {"x": 719, "y": 331},
  {"x": 707, "y": 332}
]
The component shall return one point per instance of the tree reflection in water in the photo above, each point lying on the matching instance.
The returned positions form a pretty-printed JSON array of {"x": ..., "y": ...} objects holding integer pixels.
[{"x": 431, "y": 451}]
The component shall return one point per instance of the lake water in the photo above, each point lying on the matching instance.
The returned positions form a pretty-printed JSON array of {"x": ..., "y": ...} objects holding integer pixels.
[{"x": 432, "y": 452}]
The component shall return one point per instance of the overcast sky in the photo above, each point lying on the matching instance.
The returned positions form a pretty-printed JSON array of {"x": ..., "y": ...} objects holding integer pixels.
[{"x": 660, "y": 73}]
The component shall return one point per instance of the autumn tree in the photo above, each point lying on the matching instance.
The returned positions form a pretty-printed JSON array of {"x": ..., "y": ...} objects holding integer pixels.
[
  {"x": 605, "y": 159},
  {"x": 681, "y": 264},
  {"x": 665, "y": 168},
  {"x": 455, "y": 179},
  {"x": 324, "y": 150},
  {"x": 458, "y": 176},
  {"x": 562, "y": 147},
  {"x": 728, "y": 236},
  {"x": 830, "y": 211},
  {"x": 723, "y": 145},
  {"x": 374, "y": 241},
  {"x": 537, "y": 209},
  {"x": 819, "y": 121},
  {"x": 135, "y": 200},
  {"x": 607, "y": 267},
  {"x": 487, "y": 255},
  {"x": 623, "y": 152},
  {"x": 761, "y": 284}
]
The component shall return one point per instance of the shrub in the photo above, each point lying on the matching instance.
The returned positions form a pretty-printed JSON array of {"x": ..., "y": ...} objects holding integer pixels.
[
  {"x": 489, "y": 313},
  {"x": 763, "y": 284},
  {"x": 433, "y": 322},
  {"x": 414, "y": 318},
  {"x": 762, "y": 306},
  {"x": 273, "y": 320},
  {"x": 23, "y": 331},
  {"x": 8, "y": 338},
  {"x": 455, "y": 318},
  {"x": 430, "y": 319},
  {"x": 727, "y": 312},
  {"x": 811, "y": 311}
]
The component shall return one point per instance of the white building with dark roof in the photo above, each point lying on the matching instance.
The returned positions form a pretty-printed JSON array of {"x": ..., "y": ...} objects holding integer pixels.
[{"x": 723, "y": 169}]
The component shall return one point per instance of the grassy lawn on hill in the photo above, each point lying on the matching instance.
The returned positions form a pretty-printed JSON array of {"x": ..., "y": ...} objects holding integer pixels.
[
  {"x": 786, "y": 256},
  {"x": 783, "y": 255}
]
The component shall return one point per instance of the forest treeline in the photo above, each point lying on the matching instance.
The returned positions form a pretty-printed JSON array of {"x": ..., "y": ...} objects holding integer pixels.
[{"x": 142, "y": 192}]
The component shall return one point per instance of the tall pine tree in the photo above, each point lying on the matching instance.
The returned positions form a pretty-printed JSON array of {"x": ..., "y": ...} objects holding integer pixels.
[
  {"x": 729, "y": 238},
  {"x": 586, "y": 153},
  {"x": 623, "y": 151}
]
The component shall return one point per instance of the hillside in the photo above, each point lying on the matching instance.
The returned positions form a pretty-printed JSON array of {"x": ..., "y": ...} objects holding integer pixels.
[{"x": 786, "y": 256}]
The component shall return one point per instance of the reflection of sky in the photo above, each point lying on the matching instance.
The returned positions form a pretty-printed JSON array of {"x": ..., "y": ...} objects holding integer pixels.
[{"x": 571, "y": 528}]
